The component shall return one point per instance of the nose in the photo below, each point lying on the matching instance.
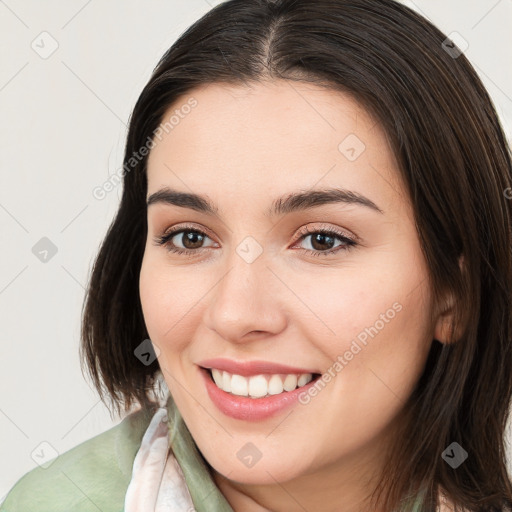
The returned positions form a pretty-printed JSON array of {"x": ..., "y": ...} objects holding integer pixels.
[{"x": 246, "y": 301}]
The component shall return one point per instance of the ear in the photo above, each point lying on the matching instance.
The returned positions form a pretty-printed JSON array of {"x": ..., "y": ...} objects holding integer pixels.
[
  {"x": 445, "y": 317},
  {"x": 444, "y": 323}
]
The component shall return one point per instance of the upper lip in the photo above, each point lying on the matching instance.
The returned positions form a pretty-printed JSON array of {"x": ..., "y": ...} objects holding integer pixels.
[{"x": 249, "y": 368}]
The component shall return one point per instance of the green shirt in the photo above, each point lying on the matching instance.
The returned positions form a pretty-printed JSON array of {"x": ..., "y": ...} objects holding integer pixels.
[{"x": 95, "y": 475}]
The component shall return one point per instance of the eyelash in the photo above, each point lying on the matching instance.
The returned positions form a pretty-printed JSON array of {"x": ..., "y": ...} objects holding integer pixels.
[{"x": 164, "y": 240}]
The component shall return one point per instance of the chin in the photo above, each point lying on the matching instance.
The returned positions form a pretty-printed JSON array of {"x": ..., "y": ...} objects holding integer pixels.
[{"x": 260, "y": 473}]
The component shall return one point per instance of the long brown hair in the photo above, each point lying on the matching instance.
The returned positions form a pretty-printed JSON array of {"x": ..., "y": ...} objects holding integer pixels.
[{"x": 455, "y": 162}]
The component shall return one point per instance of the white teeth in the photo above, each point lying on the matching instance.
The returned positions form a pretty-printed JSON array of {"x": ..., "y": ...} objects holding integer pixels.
[
  {"x": 275, "y": 385},
  {"x": 290, "y": 383},
  {"x": 304, "y": 379},
  {"x": 217, "y": 377},
  {"x": 239, "y": 385},
  {"x": 258, "y": 386},
  {"x": 226, "y": 381}
]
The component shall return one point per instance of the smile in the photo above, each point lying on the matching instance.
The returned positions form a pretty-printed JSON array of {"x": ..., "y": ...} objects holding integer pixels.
[
  {"x": 258, "y": 386},
  {"x": 273, "y": 397}
]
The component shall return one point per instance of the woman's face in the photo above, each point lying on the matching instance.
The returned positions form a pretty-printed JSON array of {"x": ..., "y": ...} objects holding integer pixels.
[{"x": 261, "y": 282}]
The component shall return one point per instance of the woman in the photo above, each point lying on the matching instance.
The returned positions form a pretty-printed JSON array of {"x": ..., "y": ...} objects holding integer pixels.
[{"x": 313, "y": 249}]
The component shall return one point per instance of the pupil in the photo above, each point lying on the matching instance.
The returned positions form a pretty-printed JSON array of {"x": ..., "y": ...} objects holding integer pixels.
[
  {"x": 319, "y": 237},
  {"x": 189, "y": 237}
]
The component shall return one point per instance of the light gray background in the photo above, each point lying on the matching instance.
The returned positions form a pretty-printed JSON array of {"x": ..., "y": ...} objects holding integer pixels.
[{"x": 63, "y": 124}]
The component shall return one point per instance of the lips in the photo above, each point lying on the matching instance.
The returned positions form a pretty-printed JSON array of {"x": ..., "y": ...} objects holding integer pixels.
[
  {"x": 250, "y": 368},
  {"x": 248, "y": 408}
]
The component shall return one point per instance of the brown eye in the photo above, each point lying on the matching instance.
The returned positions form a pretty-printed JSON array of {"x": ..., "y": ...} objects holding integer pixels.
[
  {"x": 321, "y": 237},
  {"x": 191, "y": 239}
]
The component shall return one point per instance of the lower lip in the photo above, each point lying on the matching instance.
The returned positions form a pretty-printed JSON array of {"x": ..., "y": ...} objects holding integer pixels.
[{"x": 251, "y": 409}]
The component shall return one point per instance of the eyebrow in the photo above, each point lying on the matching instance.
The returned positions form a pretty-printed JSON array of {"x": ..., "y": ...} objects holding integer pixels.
[{"x": 296, "y": 201}]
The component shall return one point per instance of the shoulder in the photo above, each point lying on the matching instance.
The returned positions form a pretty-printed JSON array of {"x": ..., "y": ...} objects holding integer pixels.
[{"x": 92, "y": 476}]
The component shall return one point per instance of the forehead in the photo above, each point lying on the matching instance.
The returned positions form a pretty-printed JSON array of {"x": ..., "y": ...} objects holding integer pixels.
[{"x": 272, "y": 137}]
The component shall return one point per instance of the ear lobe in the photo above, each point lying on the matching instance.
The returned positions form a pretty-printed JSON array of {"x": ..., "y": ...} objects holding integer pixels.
[
  {"x": 444, "y": 328},
  {"x": 443, "y": 331}
]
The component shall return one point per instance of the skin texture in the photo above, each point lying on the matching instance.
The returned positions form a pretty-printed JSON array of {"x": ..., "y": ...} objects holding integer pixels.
[{"x": 242, "y": 147}]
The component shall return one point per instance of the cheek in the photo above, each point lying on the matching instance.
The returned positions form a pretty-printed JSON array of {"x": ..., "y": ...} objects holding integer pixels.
[
  {"x": 167, "y": 297},
  {"x": 347, "y": 305},
  {"x": 375, "y": 354},
  {"x": 375, "y": 319},
  {"x": 382, "y": 302}
]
